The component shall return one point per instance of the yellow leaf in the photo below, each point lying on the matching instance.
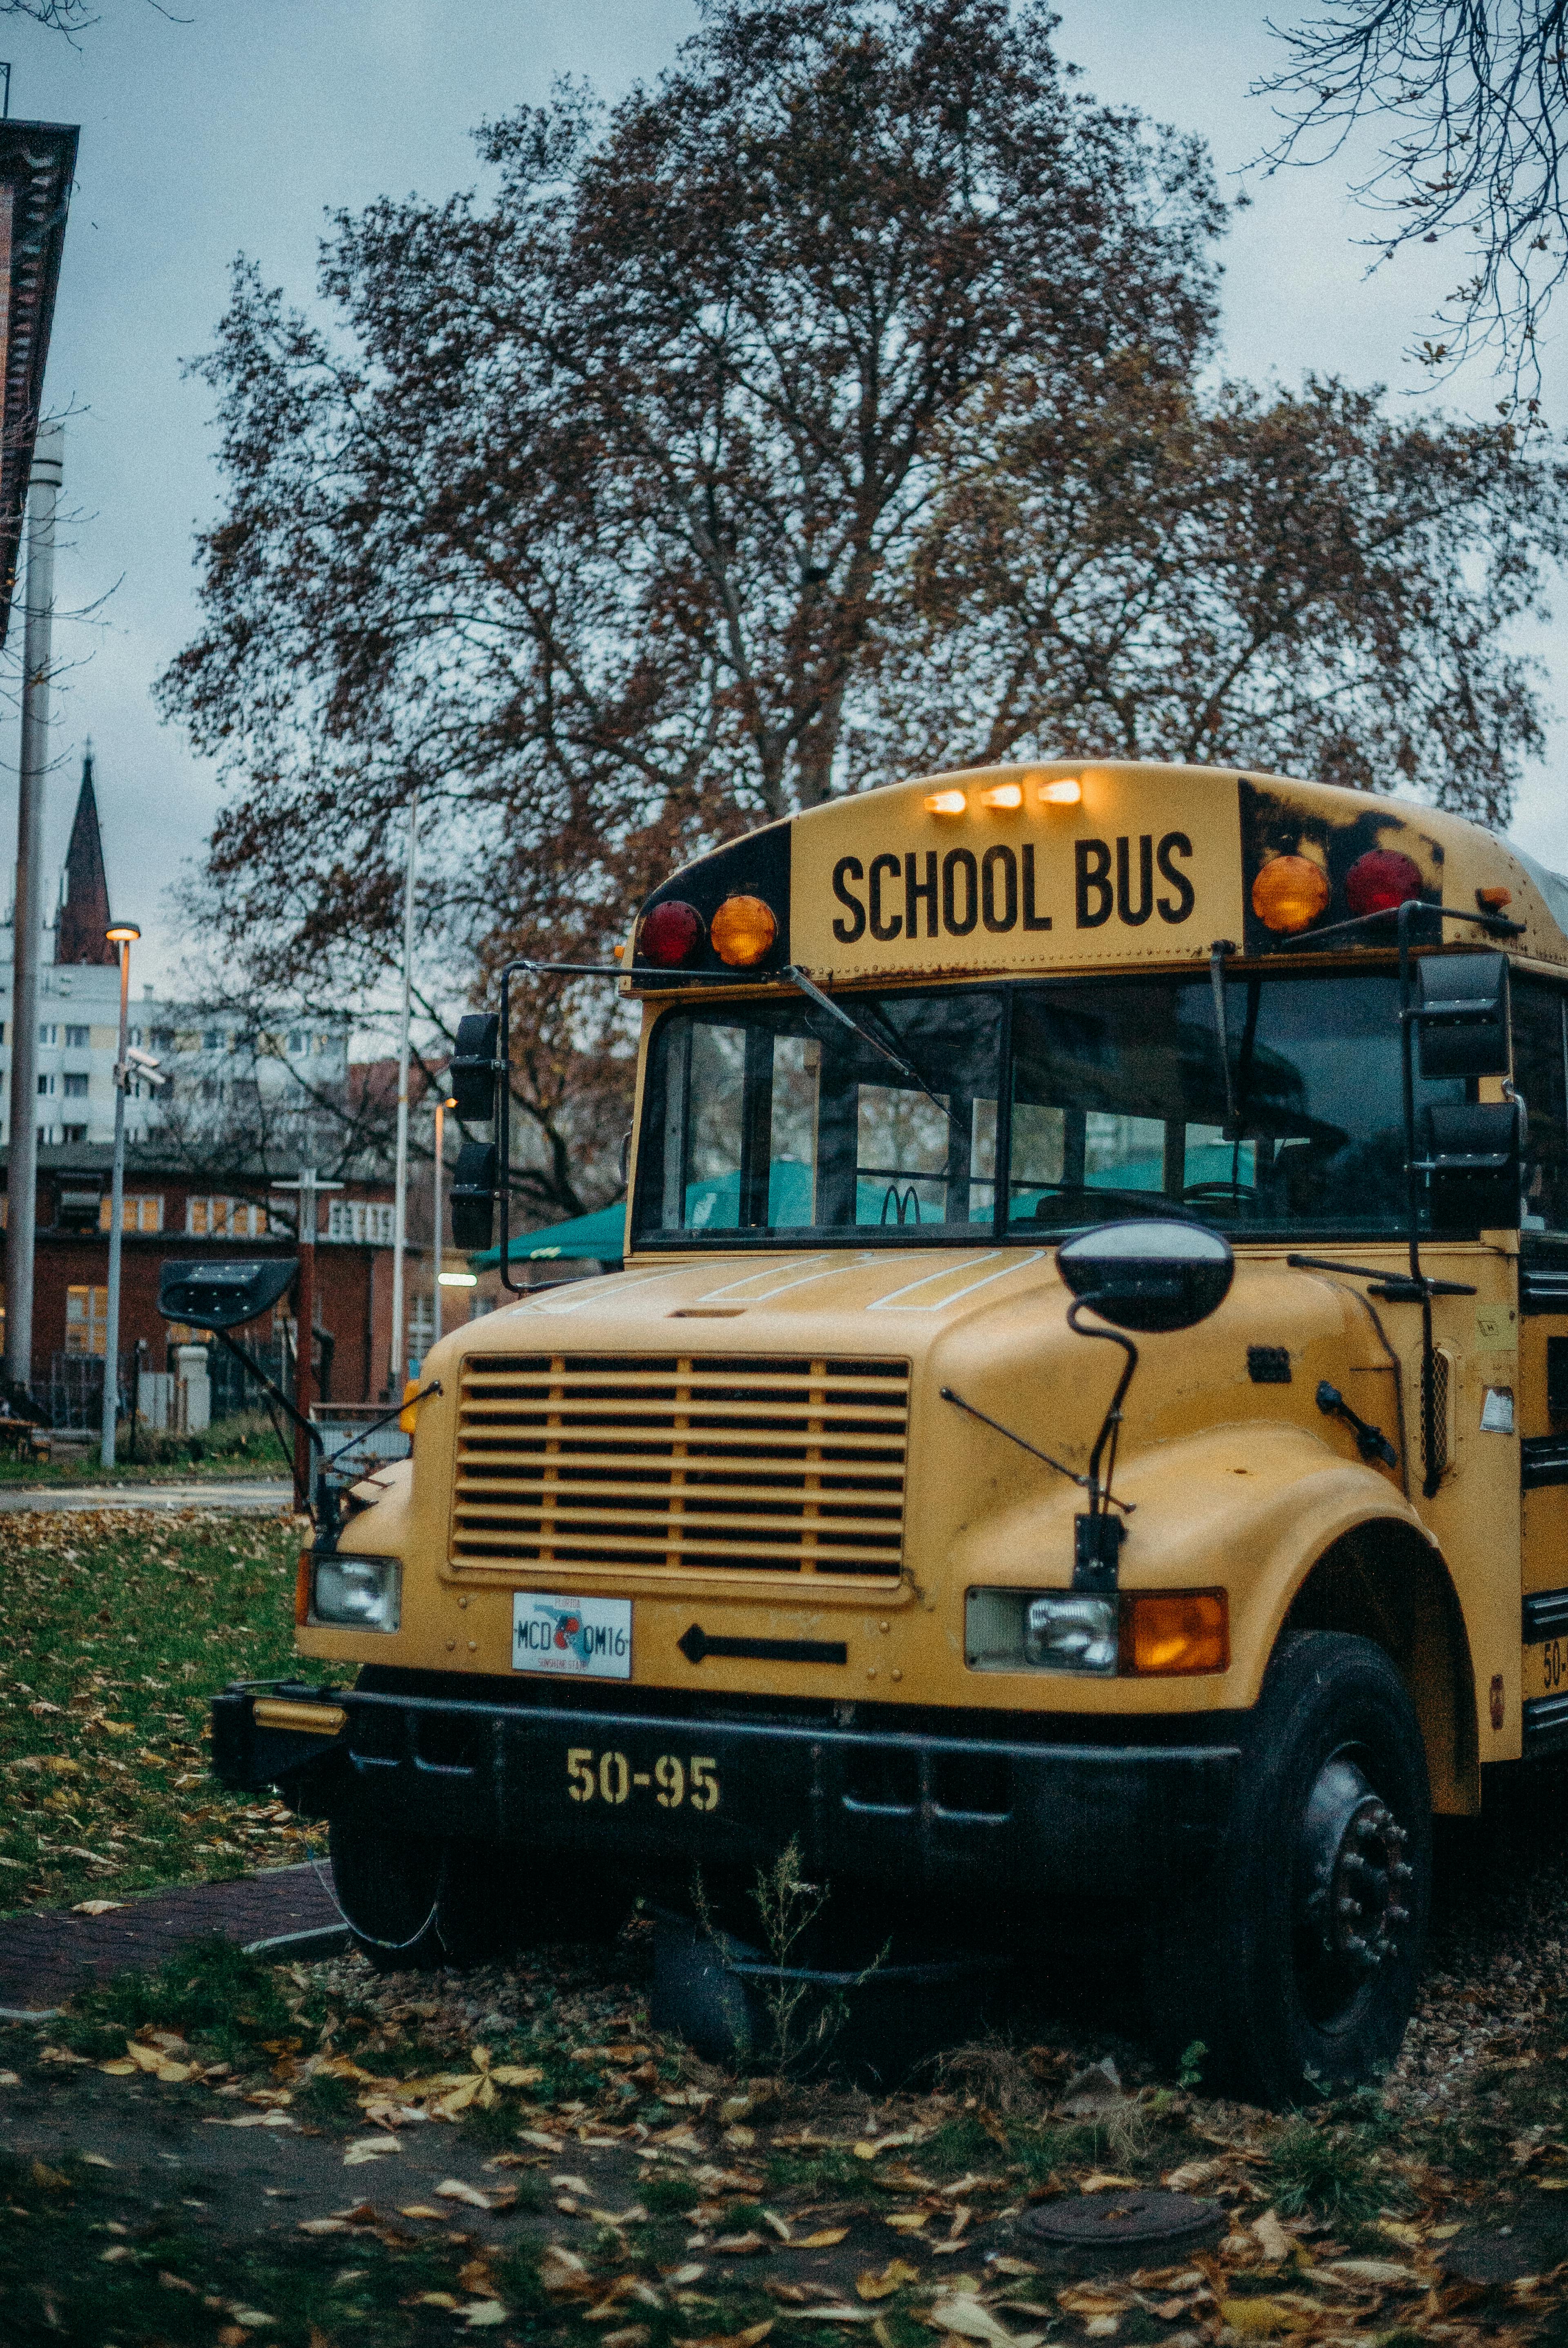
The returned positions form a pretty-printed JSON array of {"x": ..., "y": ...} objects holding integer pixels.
[
  {"x": 742, "y": 2246},
  {"x": 435, "y": 2299},
  {"x": 824, "y": 2241},
  {"x": 95, "y": 1907},
  {"x": 1370, "y": 2270},
  {"x": 909, "y": 2221},
  {"x": 480, "y": 2314},
  {"x": 1258, "y": 2319},
  {"x": 517, "y": 2074},
  {"x": 966, "y": 2317},
  {"x": 420, "y": 2210},
  {"x": 123, "y": 2069},
  {"x": 868, "y": 2150},
  {"x": 454, "y": 2189},
  {"x": 1103, "y": 2181},
  {"x": 893, "y": 2277}
]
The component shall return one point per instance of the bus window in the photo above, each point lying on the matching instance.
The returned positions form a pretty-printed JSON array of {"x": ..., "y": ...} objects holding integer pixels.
[
  {"x": 1540, "y": 1066},
  {"x": 780, "y": 1120},
  {"x": 1125, "y": 1102}
]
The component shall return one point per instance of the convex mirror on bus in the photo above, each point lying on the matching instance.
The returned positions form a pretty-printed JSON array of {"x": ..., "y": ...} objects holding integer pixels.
[
  {"x": 471, "y": 1072},
  {"x": 1461, "y": 1015},
  {"x": 1471, "y": 1155},
  {"x": 1149, "y": 1275},
  {"x": 223, "y": 1295},
  {"x": 474, "y": 1196}
]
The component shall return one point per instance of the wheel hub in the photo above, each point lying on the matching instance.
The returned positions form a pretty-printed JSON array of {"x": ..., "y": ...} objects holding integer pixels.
[{"x": 1354, "y": 1876}]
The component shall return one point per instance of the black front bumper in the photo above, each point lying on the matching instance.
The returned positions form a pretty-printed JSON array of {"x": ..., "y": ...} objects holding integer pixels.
[{"x": 919, "y": 1800}]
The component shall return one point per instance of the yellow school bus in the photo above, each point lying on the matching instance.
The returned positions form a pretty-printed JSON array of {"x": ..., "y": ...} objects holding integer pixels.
[{"x": 1083, "y": 1416}]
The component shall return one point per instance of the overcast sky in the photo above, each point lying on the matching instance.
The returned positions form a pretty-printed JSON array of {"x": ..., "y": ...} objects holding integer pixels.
[{"x": 238, "y": 124}]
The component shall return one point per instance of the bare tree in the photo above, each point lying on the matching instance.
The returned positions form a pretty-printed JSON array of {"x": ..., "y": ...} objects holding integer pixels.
[
  {"x": 1470, "y": 98},
  {"x": 837, "y": 406}
]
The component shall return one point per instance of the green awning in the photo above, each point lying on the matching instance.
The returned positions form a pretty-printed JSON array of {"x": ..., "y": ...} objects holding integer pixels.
[{"x": 600, "y": 1237}]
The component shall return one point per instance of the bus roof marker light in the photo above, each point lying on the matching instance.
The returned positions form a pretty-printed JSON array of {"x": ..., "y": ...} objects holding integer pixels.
[
  {"x": 1494, "y": 899},
  {"x": 1381, "y": 882},
  {"x": 1289, "y": 892},
  {"x": 946, "y": 803},
  {"x": 742, "y": 931},
  {"x": 1003, "y": 794},
  {"x": 1066, "y": 791},
  {"x": 670, "y": 932}
]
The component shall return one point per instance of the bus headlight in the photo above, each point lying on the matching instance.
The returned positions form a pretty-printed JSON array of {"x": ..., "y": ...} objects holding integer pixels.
[
  {"x": 356, "y": 1593},
  {"x": 1040, "y": 1630},
  {"x": 1142, "y": 1634}
]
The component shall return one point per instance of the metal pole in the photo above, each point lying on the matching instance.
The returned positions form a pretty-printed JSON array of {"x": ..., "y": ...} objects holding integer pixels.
[
  {"x": 436, "y": 1248},
  {"x": 117, "y": 1220},
  {"x": 400, "y": 1193},
  {"x": 22, "y": 1169},
  {"x": 304, "y": 1346}
]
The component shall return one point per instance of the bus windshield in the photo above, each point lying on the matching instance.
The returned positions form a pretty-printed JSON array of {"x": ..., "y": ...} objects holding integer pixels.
[{"x": 1042, "y": 1106}]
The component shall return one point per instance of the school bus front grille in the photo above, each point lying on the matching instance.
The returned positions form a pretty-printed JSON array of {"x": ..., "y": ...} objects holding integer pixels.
[{"x": 681, "y": 1464}]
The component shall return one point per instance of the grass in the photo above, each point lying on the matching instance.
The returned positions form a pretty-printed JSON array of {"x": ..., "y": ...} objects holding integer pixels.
[
  {"x": 226, "y": 2003},
  {"x": 1328, "y": 2169},
  {"x": 115, "y": 1631}
]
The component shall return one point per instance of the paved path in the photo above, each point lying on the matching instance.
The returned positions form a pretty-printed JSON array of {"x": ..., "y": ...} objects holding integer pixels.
[
  {"x": 250, "y": 1499},
  {"x": 46, "y": 1954}
]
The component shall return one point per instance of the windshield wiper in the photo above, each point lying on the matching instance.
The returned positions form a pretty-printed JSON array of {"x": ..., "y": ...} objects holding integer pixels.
[{"x": 825, "y": 1003}]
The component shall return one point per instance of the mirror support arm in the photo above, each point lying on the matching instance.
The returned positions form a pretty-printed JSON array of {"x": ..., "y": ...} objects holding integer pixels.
[{"x": 1099, "y": 1534}]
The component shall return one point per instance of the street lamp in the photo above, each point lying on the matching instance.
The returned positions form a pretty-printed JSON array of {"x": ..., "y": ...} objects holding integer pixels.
[
  {"x": 444, "y": 1101},
  {"x": 124, "y": 935}
]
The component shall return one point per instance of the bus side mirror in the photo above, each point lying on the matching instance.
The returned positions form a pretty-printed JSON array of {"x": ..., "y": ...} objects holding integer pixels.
[
  {"x": 223, "y": 1295},
  {"x": 474, "y": 1196},
  {"x": 1462, "y": 1015},
  {"x": 473, "y": 1068},
  {"x": 1149, "y": 1275},
  {"x": 1471, "y": 1156}
]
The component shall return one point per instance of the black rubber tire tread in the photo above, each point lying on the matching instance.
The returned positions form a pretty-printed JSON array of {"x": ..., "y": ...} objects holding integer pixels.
[
  {"x": 1220, "y": 1964},
  {"x": 414, "y": 1902},
  {"x": 387, "y": 1885}
]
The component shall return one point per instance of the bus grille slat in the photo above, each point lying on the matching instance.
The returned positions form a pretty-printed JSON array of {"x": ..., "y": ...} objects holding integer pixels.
[{"x": 681, "y": 1465}]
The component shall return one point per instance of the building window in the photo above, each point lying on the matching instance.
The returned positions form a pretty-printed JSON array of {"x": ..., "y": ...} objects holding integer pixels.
[
  {"x": 367, "y": 1225},
  {"x": 76, "y": 1088},
  {"x": 421, "y": 1330},
  {"x": 224, "y": 1218},
  {"x": 298, "y": 1041},
  {"x": 212, "y": 1039},
  {"x": 48, "y": 1033},
  {"x": 77, "y": 1039},
  {"x": 163, "y": 1039},
  {"x": 72, "y": 1133},
  {"x": 45, "y": 1088},
  {"x": 86, "y": 1317},
  {"x": 324, "y": 1043},
  {"x": 142, "y": 1213}
]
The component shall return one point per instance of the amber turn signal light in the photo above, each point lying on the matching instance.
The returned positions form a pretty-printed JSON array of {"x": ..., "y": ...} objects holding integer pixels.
[
  {"x": 742, "y": 931},
  {"x": 409, "y": 1413},
  {"x": 1165, "y": 1632},
  {"x": 1289, "y": 891},
  {"x": 1494, "y": 900}
]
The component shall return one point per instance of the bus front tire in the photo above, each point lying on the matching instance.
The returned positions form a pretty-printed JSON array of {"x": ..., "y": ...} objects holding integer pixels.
[
  {"x": 1295, "y": 1963},
  {"x": 415, "y": 1901}
]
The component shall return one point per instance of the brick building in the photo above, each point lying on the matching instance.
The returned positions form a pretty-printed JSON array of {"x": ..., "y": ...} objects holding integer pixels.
[{"x": 247, "y": 1101}]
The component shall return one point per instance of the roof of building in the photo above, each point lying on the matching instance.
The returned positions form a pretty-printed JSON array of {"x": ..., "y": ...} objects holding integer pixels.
[{"x": 85, "y": 915}]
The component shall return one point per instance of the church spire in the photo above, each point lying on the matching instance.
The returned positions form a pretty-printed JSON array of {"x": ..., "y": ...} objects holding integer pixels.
[{"x": 85, "y": 915}]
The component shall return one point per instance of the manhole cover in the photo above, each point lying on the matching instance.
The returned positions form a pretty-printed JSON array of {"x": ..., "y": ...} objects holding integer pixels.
[{"x": 1134, "y": 2229}]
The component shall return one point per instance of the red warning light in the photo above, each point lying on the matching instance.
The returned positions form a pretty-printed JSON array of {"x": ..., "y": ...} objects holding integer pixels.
[
  {"x": 670, "y": 932},
  {"x": 1381, "y": 880}
]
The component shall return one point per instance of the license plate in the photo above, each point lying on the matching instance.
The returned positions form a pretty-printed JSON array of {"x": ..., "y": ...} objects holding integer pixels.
[{"x": 585, "y": 1638}]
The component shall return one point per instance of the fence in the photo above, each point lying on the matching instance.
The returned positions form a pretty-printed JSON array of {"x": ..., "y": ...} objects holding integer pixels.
[{"x": 340, "y": 1424}]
